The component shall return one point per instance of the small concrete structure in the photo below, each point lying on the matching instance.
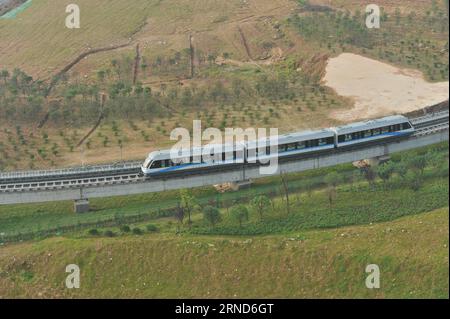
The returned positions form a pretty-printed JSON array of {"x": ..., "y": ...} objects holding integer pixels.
[
  {"x": 236, "y": 186},
  {"x": 81, "y": 206},
  {"x": 378, "y": 160}
]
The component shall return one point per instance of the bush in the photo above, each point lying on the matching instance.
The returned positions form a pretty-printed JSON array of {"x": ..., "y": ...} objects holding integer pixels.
[
  {"x": 137, "y": 231},
  {"x": 109, "y": 233},
  {"x": 93, "y": 232},
  {"x": 211, "y": 215},
  {"x": 151, "y": 228},
  {"x": 125, "y": 229}
]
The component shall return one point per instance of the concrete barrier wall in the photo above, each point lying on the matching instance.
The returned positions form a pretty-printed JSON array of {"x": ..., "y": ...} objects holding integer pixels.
[{"x": 220, "y": 178}]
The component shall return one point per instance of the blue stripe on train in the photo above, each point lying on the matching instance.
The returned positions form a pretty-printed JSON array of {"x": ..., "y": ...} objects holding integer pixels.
[{"x": 372, "y": 137}]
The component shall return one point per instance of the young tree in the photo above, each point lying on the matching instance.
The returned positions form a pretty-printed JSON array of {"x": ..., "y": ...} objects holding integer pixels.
[
  {"x": 239, "y": 213},
  {"x": 260, "y": 204},
  {"x": 369, "y": 174},
  {"x": 211, "y": 215},
  {"x": 188, "y": 203},
  {"x": 332, "y": 180},
  {"x": 286, "y": 192},
  {"x": 414, "y": 180},
  {"x": 401, "y": 169},
  {"x": 385, "y": 171},
  {"x": 418, "y": 162},
  {"x": 180, "y": 214},
  {"x": 4, "y": 74}
]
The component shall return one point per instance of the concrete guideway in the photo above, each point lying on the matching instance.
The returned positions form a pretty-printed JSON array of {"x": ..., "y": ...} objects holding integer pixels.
[
  {"x": 138, "y": 185},
  {"x": 424, "y": 124}
]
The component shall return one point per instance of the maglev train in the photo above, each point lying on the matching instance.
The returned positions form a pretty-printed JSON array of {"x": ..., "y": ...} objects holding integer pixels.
[{"x": 299, "y": 144}]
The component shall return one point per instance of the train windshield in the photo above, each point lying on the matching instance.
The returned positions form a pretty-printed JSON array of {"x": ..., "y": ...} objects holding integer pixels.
[{"x": 147, "y": 162}]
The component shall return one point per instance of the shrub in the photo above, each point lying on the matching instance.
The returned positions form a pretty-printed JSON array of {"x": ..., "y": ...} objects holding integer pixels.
[
  {"x": 93, "y": 232},
  {"x": 109, "y": 233},
  {"x": 125, "y": 229},
  {"x": 211, "y": 215},
  {"x": 151, "y": 228},
  {"x": 137, "y": 231}
]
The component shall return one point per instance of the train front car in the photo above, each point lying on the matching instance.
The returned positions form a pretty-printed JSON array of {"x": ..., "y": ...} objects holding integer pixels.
[
  {"x": 387, "y": 128},
  {"x": 200, "y": 160},
  {"x": 148, "y": 165}
]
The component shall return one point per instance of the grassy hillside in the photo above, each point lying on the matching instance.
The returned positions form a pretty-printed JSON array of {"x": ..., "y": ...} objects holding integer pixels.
[
  {"x": 412, "y": 254},
  {"x": 40, "y": 29}
]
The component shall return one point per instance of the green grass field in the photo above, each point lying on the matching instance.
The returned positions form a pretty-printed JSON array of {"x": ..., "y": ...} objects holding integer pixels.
[{"x": 412, "y": 254}]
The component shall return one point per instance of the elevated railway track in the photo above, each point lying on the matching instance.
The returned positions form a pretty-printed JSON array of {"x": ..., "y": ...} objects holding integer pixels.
[{"x": 125, "y": 178}]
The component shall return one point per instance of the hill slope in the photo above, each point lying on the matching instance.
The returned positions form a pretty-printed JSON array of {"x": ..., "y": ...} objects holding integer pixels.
[{"x": 412, "y": 254}]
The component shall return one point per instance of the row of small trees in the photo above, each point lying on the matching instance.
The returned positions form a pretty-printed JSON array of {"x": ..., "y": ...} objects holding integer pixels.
[
  {"x": 410, "y": 171},
  {"x": 239, "y": 213},
  {"x": 23, "y": 99}
]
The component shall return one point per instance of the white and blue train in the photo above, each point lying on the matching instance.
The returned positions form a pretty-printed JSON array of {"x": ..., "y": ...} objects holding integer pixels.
[{"x": 300, "y": 144}]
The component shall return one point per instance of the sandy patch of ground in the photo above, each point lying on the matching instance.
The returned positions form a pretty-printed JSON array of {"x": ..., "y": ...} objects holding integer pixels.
[{"x": 379, "y": 89}]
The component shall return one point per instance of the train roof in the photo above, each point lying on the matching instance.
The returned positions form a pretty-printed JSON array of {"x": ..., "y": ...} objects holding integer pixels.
[
  {"x": 294, "y": 137},
  {"x": 371, "y": 124},
  {"x": 166, "y": 154}
]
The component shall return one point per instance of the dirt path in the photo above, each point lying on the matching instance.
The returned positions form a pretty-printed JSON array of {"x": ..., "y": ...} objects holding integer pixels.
[
  {"x": 244, "y": 42},
  {"x": 379, "y": 89}
]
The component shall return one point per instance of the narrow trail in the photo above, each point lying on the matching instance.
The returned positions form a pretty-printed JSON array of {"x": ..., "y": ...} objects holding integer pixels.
[
  {"x": 244, "y": 42},
  {"x": 68, "y": 67},
  {"x": 191, "y": 50},
  {"x": 137, "y": 59},
  {"x": 97, "y": 124}
]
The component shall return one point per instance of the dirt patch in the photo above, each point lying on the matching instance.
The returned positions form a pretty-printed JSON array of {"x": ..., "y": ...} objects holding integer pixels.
[{"x": 379, "y": 89}]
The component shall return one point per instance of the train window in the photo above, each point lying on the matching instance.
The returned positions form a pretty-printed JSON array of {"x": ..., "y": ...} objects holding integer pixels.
[
  {"x": 406, "y": 126},
  {"x": 156, "y": 164},
  {"x": 367, "y": 133},
  {"x": 301, "y": 145},
  {"x": 397, "y": 127},
  {"x": 268, "y": 150},
  {"x": 322, "y": 142},
  {"x": 314, "y": 143},
  {"x": 292, "y": 146},
  {"x": 385, "y": 130},
  {"x": 281, "y": 148},
  {"x": 376, "y": 132}
]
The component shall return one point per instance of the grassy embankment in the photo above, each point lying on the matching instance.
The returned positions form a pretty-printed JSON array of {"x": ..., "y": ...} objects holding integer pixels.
[{"x": 412, "y": 254}]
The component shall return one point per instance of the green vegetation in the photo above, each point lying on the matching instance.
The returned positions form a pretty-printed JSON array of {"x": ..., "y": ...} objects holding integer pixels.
[
  {"x": 331, "y": 197},
  {"x": 412, "y": 254}
]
